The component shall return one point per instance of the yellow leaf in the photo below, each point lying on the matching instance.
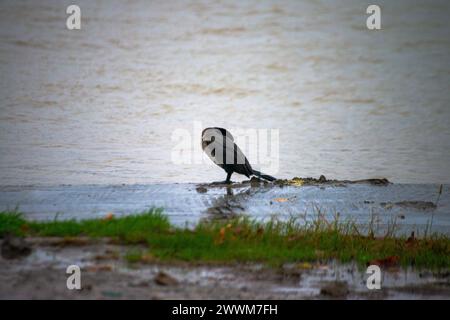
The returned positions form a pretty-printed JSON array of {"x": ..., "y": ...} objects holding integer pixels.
[
  {"x": 305, "y": 265},
  {"x": 296, "y": 182}
]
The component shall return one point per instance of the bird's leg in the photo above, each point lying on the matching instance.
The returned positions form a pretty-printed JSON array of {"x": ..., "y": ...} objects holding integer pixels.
[
  {"x": 228, "y": 181},
  {"x": 228, "y": 177}
]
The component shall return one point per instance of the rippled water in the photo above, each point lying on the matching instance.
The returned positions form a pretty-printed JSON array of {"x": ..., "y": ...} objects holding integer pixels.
[{"x": 99, "y": 105}]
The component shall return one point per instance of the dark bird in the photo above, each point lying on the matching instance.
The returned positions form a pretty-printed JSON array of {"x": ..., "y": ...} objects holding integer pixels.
[{"x": 218, "y": 144}]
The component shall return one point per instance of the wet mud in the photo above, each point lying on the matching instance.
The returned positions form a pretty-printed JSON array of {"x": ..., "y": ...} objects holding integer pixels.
[{"x": 105, "y": 274}]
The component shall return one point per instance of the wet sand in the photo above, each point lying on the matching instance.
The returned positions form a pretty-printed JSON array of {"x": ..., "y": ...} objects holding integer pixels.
[{"x": 106, "y": 275}]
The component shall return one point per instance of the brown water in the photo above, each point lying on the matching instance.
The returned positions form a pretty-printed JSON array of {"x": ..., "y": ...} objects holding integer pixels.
[{"x": 99, "y": 105}]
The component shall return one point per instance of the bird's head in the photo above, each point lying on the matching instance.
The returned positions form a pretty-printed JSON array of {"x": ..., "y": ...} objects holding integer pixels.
[{"x": 207, "y": 133}]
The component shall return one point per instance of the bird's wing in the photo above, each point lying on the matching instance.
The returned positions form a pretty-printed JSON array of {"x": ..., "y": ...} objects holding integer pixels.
[
  {"x": 224, "y": 152},
  {"x": 233, "y": 153},
  {"x": 239, "y": 160}
]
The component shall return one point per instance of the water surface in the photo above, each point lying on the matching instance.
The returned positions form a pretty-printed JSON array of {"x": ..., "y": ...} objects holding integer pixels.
[{"x": 99, "y": 105}]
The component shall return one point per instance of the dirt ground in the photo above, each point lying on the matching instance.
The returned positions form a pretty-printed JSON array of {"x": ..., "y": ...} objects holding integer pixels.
[{"x": 105, "y": 274}]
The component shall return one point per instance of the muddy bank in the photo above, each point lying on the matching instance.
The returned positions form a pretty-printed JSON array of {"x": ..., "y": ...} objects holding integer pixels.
[
  {"x": 296, "y": 181},
  {"x": 105, "y": 274}
]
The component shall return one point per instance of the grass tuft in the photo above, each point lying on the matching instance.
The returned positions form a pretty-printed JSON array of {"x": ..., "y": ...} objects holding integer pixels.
[{"x": 11, "y": 223}]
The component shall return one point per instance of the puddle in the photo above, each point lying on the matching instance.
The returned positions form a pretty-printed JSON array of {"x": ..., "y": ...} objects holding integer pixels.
[{"x": 42, "y": 275}]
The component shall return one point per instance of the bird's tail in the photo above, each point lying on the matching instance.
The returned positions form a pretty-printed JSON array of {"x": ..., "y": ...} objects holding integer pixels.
[{"x": 263, "y": 176}]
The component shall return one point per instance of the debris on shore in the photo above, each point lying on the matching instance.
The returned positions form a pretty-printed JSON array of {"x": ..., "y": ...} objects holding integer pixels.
[
  {"x": 164, "y": 279},
  {"x": 14, "y": 247},
  {"x": 335, "y": 289},
  {"x": 295, "y": 181},
  {"x": 418, "y": 205}
]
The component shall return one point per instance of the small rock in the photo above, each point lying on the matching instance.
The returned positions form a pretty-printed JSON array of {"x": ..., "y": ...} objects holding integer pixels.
[
  {"x": 201, "y": 190},
  {"x": 87, "y": 287},
  {"x": 337, "y": 289},
  {"x": 14, "y": 247},
  {"x": 256, "y": 182},
  {"x": 163, "y": 279},
  {"x": 378, "y": 182},
  {"x": 419, "y": 205}
]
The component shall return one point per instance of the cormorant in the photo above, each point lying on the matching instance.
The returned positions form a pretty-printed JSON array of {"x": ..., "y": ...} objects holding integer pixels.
[{"x": 218, "y": 144}]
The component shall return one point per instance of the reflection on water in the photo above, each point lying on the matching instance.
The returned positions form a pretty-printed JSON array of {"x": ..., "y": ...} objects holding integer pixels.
[
  {"x": 99, "y": 105},
  {"x": 403, "y": 206}
]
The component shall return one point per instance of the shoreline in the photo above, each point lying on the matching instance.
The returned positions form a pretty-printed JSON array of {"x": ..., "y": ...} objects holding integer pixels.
[{"x": 414, "y": 206}]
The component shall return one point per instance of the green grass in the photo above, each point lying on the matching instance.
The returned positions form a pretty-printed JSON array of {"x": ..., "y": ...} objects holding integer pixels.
[
  {"x": 243, "y": 240},
  {"x": 129, "y": 229}
]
